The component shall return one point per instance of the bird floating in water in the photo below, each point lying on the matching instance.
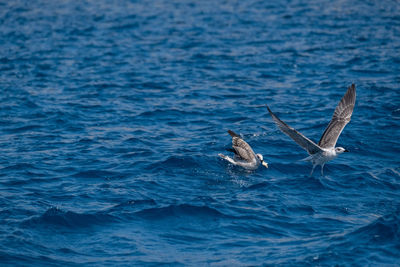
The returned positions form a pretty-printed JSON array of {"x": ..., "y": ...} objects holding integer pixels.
[
  {"x": 325, "y": 150},
  {"x": 244, "y": 154}
]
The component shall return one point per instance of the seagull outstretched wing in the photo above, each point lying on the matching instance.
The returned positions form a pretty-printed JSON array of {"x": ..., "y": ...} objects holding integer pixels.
[
  {"x": 300, "y": 139},
  {"x": 340, "y": 118}
]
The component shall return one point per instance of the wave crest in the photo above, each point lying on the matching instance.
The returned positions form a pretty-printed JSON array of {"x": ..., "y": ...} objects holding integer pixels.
[{"x": 57, "y": 217}]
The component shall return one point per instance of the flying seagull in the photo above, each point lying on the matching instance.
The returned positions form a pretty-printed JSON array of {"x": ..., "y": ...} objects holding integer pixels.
[
  {"x": 244, "y": 155},
  {"x": 325, "y": 150}
]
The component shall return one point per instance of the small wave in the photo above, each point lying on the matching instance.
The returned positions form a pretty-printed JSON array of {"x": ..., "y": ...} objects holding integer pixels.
[
  {"x": 379, "y": 236},
  {"x": 155, "y": 85},
  {"x": 19, "y": 166},
  {"x": 126, "y": 26},
  {"x": 370, "y": 71},
  {"x": 168, "y": 113},
  {"x": 69, "y": 219},
  {"x": 385, "y": 229},
  {"x": 258, "y": 186},
  {"x": 305, "y": 182},
  {"x": 174, "y": 162},
  {"x": 10, "y": 259},
  {"x": 301, "y": 209},
  {"x": 132, "y": 204},
  {"x": 258, "y": 229},
  {"x": 182, "y": 210},
  {"x": 23, "y": 128},
  {"x": 96, "y": 174},
  {"x": 396, "y": 114}
]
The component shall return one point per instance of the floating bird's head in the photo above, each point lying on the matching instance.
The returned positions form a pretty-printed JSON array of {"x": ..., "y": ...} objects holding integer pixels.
[
  {"x": 340, "y": 150},
  {"x": 260, "y": 157}
]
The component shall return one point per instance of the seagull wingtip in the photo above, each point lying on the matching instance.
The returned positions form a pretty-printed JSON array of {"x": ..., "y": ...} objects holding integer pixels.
[
  {"x": 232, "y": 133},
  {"x": 270, "y": 112},
  {"x": 351, "y": 89}
]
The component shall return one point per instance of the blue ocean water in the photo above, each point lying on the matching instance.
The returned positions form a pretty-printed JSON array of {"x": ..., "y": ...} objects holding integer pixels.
[{"x": 113, "y": 112}]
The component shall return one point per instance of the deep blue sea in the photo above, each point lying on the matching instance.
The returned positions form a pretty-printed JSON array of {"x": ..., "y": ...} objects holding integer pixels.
[{"x": 112, "y": 114}]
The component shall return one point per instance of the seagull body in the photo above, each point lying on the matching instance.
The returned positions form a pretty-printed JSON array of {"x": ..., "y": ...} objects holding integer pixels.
[
  {"x": 325, "y": 150},
  {"x": 244, "y": 154}
]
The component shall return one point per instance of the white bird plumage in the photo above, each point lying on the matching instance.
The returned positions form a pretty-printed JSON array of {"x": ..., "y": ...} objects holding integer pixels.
[{"x": 325, "y": 150}]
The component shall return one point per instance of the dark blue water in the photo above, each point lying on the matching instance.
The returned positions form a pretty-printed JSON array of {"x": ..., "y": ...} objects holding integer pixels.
[{"x": 112, "y": 116}]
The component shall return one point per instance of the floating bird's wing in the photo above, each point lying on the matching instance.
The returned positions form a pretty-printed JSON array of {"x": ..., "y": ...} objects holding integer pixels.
[
  {"x": 300, "y": 139},
  {"x": 243, "y": 150},
  {"x": 341, "y": 117}
]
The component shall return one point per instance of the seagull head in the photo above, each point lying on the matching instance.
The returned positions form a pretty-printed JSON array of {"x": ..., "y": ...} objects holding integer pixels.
[
  {"x": 340, "y": 150},
  {"x": 260, "y": 157}
]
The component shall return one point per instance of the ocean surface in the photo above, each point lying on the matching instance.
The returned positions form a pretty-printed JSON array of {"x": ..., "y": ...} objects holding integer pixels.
[{"x": 112, "y": 114}]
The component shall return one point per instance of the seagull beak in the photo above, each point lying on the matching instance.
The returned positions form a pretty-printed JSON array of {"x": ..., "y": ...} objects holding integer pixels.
[
  {"x": 265, "y": 164},
  {"x": 346, "y": 150}
]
